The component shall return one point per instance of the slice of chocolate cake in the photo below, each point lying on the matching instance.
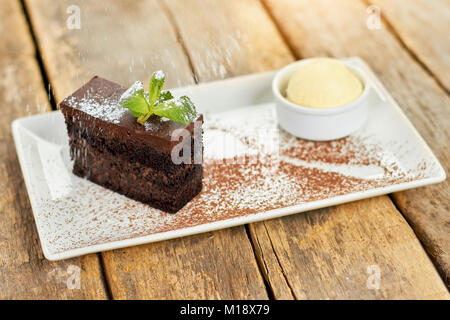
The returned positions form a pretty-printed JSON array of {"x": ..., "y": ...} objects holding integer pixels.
[{"x": 140, "y": 161}]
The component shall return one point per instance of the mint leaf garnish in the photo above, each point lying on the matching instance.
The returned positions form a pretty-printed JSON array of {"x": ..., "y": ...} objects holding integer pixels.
[
  {"x": 165, "y": 95},
  {"x": 180, "y": 110},
  {"x": 156, "y": 84},
  {"x": 162, "y": 103},
  {"x": 134, "y": 100}
]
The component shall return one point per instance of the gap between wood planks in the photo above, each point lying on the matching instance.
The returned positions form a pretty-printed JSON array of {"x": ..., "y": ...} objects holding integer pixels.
[
  {"x": 262, "y": 263},
  {"x": 262, "y": 269},
  {"x": 180, "y": 40},
  {"x": 296, "y": 56},
  {"x": 280, "y": 31},
  {"x": 48, "y": 86},
  {"x": 53, "y": 103},
  {"x": 433, "y": 260},
  {"x": 391, "y": 29},
  {"x": 106, "y": 283},
  {"x": 415, "y": 57},
  {"x": 45, "y": 79}
]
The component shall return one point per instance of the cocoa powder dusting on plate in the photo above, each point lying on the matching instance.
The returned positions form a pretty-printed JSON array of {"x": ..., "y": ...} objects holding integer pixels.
[{"x": 251, "y": 166}]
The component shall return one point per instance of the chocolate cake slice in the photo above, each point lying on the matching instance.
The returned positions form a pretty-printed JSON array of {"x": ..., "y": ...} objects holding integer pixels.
[{"x": 111, "y": 149}]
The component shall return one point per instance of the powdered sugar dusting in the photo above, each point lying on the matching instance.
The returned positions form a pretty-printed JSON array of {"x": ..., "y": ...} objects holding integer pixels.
[
  {"x": 107, "y": 109},
  {"x": 131, "y": 91},
  {"x": 159, "y": 75}
]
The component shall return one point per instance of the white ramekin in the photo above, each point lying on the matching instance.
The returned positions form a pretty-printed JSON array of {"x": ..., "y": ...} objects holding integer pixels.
[{"x": 318, "y": 124}]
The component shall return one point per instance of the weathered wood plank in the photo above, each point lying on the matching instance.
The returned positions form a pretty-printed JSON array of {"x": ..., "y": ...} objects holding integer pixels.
[
  {"x": 423, "y": 28},
  {"x": 335, "y": 253},
  {"x": 143, "y": 289},
  {"x": 120, "y": 40},
  {"x": 19, "y": 42},
  {"x": 24, "y": 272},
  {"x": 331, "y": 28},
  {"x": 206, "y": 21},
  {"x": 228, "y": 38},
  {"x": 214, "y": 265}
]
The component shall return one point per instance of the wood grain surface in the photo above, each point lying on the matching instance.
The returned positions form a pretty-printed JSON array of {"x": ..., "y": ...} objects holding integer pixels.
[
  {"x": 17, "y": 43},
  {"x": 423, "y": 27},
  {"x": 338, "y": 252},
  {"x": 214, "y": 265},
  {"x": 120, "y": 40},
  {"x": 24, "y": 272},
  {"x": 228, "y": 38},
  {"x": 203, "y": 266},
  {"x": 214, "y": 54},
  {"x": 329, "y": 253},
  {"x": 316, "y": 30}
]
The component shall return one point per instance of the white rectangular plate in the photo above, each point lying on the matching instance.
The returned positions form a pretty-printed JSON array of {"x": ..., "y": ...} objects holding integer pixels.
[{"x": 253, "y": 170}]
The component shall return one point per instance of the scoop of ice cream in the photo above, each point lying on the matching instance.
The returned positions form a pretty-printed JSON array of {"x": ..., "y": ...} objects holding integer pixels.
[{"x": 323, "y": 83}]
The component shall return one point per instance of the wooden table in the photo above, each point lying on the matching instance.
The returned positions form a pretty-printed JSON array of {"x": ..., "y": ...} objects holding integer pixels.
[{"x": 323, "y": 254}]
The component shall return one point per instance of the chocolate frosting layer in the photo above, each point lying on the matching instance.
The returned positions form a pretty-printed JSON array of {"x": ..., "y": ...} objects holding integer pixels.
[{"x": 99, "y": 98}]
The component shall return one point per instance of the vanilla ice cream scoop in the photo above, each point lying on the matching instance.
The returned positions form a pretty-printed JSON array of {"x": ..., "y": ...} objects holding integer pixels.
[{"x": 323, "y": 83}]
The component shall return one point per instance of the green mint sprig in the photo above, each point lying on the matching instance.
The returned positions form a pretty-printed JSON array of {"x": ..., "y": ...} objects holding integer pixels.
[{"x": 161, "y": 103}]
